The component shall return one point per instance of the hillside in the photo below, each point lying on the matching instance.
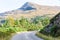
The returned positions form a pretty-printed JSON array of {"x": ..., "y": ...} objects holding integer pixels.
[
  {"x": 29, "y": 10},
  {"x": 54, "y": 27}
]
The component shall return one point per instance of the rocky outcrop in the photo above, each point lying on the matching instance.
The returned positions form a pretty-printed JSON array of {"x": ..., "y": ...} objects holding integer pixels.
[{"x": 54, "y": 27}]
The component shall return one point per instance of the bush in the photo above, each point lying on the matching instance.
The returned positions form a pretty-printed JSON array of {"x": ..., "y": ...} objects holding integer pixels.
[
  {"x": 43, "y": 19},
  {"x": 55, "y": 31},
  {"x": 23, "y": 24}
]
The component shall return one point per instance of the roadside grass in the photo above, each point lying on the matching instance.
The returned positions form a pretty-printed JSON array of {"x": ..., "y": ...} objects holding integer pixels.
[
  {"x": 6, "y": 37},
  {"x": 46, "y": 37}
]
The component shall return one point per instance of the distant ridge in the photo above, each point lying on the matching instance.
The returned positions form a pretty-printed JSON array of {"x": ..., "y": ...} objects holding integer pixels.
[{"x": 30, "y": 10}]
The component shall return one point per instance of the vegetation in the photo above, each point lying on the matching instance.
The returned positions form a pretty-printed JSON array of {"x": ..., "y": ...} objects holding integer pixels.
[
  {"x": 47, "y": 37},
  {"x": 53, "y": 35},
  {"x": 23, "y": 24},
  {"x": 51, "y": 31}
]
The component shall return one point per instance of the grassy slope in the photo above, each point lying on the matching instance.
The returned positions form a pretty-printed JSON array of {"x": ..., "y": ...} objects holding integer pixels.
[{"x": 47, "y": 37}]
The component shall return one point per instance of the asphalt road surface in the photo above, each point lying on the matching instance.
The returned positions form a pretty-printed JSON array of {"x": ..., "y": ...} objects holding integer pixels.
[{"x": 26, "y": 36}]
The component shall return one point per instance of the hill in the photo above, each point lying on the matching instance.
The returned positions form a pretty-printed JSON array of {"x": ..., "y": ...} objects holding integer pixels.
[{"x": 30, "y": 10}]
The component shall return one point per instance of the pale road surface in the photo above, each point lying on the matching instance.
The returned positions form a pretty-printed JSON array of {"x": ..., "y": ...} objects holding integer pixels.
[{"x": 26, "y": 36}]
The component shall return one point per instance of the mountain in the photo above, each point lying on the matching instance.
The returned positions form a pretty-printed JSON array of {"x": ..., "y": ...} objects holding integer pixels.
[
  {"x": 30, "y": 10},
  {"x": 27, "y": 6}
]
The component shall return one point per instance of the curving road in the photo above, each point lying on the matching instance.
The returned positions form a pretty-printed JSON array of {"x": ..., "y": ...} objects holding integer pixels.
[{"x": 26, "y": 36}]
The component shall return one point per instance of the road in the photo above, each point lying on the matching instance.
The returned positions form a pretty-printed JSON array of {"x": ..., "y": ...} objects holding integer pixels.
[{"x": 26, "y": 36}]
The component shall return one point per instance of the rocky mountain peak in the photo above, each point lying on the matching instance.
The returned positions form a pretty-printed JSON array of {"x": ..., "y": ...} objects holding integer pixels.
[{"x": 27, "y": 6}]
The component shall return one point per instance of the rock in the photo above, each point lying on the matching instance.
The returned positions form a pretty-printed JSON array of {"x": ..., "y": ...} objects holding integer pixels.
[{"x": 54, "y": 27}]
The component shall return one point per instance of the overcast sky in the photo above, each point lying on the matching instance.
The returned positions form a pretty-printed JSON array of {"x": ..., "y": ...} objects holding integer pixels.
[{"x": 7, "y": 5}]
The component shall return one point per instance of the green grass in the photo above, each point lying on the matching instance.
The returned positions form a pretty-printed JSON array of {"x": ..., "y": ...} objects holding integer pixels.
[{"x": 47, "y": 37}]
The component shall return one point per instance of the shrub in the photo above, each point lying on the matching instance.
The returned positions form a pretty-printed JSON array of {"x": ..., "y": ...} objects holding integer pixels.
[{"x": 23, "y": 24}]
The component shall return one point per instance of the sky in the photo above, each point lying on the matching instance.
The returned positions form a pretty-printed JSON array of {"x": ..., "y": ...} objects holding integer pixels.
[{"x": 8, "y": 5}]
